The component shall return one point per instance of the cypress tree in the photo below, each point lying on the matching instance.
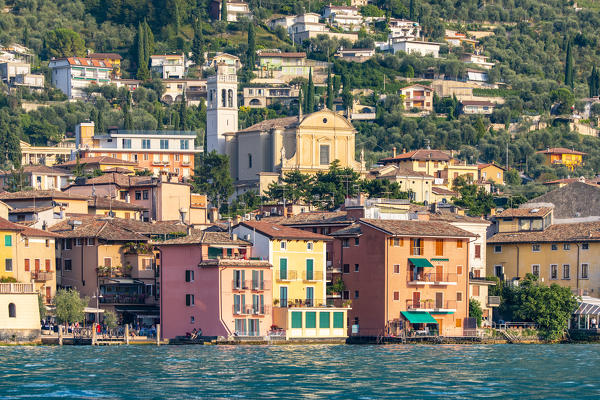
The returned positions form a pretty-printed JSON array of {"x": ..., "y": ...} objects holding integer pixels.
[
  {"x": 569, "y": 65},
  {"x": 310, "y": 94},
  {"x": 224, "y": 10},
  {"x": 148, "y": 42},
  {"x": 183, "y": 114},
  {"x": 177, "y": 17},
  {"x": 300, "y": 102},
  {"x": 594, "y": 82},
  {"x": 411, "y": 12},
  {"x": 198, "y": 44},
  {"x": 329, "y": 91},
  {"x": 142, "y": 71},
  {"x": 304, "y": 92},
  {"x": 100, "y": 123},
  {"x": 251, "y": 55}
]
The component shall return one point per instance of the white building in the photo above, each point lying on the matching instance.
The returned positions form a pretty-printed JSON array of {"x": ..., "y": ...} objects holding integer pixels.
[
  {"x": 306, "y": 26},
  {"x": 71, "y": 75},
  {"x": 221, "y": 107},
  {"x": 477, "y": 107},
  {"x": 403, "y": 28},
  {"x": 347, "y": 18},
  {"x": 417, "y": 96},
  {"x": 477, "y": 59},
  {"x": 476, "y": 75},
  {"x": 19, "y": 313},
  {"x": 415, "y": 47},
  {"x": 194, "y": 89},
  {"x": 236, "y": 9},
  {"x": 168, "y": 66},
  {"x": 259, "y": 97},
  {"x": 356, "y": 55}
]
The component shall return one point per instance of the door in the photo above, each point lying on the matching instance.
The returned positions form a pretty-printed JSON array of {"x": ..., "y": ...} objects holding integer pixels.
[
  {"x": 440, "y": 326},
  {"x": 439, "y": 273},
  {"x": 310, "y": 296},
  {"x": 48, "y": 294},
  {"x": 439, "y": 300},
  {"x": 416, "y": 300},
  {"x": 283, "y": 298}
]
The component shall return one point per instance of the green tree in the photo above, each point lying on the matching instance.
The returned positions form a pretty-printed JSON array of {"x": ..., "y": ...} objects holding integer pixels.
[
  {"x": 329, "y": 91},
  {"x": 142, "y": 71},
  {"x": 183, "y": 114},
  {"x": 69, "y": 306},
  {"x": 511, "y": 177},
  {"x": 212, "y": 177},
  {"x": 569, "y": 71},
  {"x": 294, "y": 186},
  {"x": 474, "y": 198},
  {"x": 224, "y": 10},
  {"x": 41, "y": 306},
  {"x": 411, "y": 10},
  {"x": 17, "y": 180},
  {"x": 110, "y": 319},
  {"x": 475, "y": 310},
  {"x": 331, "y": 188},
  {"x": 565, "y": 99},
  {"x": 9, "y": 143},
  {"x": 63, "y": 42},
  {"x": 198, "y": 44},
  {"x": 251, "y": 53},
  {"x": 310, "y": 94},
  {"x": 594, "y": 82}
]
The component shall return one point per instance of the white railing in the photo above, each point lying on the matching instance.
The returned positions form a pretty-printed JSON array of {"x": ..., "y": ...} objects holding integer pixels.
[{"x": 10, "y": 288}]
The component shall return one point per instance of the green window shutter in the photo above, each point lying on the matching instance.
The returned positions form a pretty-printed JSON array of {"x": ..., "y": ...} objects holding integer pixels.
[
  {"x": 311, "y": 319},
  {"x": 282, "y": 268},
  {"x": 214, "y": 253},
  {"x": 297, "y": 319},
  {"x": 338, "y": 319},
  {"x": 309, "y": 270},
  {"x": 8, "y": 240},
  {"x": 324, "y": 320}
]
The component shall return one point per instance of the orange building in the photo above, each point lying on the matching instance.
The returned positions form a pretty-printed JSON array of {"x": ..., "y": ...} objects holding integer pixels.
[
  {"x": 156, "y": 151},
  {"x": 404, "y": 276},
  {"x": 562, "y": 156}
]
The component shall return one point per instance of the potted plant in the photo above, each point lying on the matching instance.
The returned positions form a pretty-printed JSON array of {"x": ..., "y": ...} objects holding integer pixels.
[
  {"x": 347, "y": 303},
  {"x": 276, "y": 302}
]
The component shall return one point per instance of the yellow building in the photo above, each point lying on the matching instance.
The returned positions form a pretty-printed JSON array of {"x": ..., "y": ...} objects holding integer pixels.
[
  {"x": 417, "y": 183},
  {"x": 562, "y": 156},
  {"x": 113, "y": 59},
  {"x": 46, "y": 155},
  {"x": 299, "y": 261},
  {"x": 491, "y": 172},
  {"x": 529, "y": 242},
  {"x": 28, "y": 255},
  {"x": 115, "y": 208}
]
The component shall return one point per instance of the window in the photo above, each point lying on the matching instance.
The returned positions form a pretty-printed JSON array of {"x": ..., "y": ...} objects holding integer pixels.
[
  {"x": 240, "y": 327},
  {"x": 309, "y": 246},
  {"x": 345, "y": 243},
  {"x": 554, "y": 247},
  {"x": 184, "y": 144},
  {"x": 535, "y": 270},
  {"x": 416, "y": 247},
  {"x": 48, "y": 267},
  {"x": 477, "y": 251},
  {"x": 12, "y": 310},
  {"x": 396, "y": 268},
  {"x": 566, "y": 271},
  {"x": 249, "y": 160},
  {"x": 585, "y": 246},
  {"x": 145, "y": 143},
  {"x": 397, "y": 242},
  {"x": 439, "y": 247},
  {"x": 311, "y": 319},
  {"x": 8, "y": 267},
  {"x": 27, "y": 265},
  {"x": 585, "y": 269},
  {"x": 459, "y": 244},
  {"x": 79, "y": 242},
  {"x": 566, "y": 246},
  {"x": 283, "y": 269},
  {"x": 164, "y": 144},
  {"x": 296, "y": 319},
  {"x": 138, "y": 194},
  {"x": 68, "y": 265},
  {"x": 324, "y": 320},
  {"x": 26, "y": 241},
  {"x": 338, "y": 320},
  {"x": 283, "y": 245},
  {"x": 146, "y": 156},
  {"x": 189, "y": 300},
  {"x": 459, "y": 269},
  {"x": 356, "y": 241},
  {"x": 324, "y": 154},
  {"x": 189, "y": 275},
  {"x": 90, "y": 241},
  {"x": 553, "y": 271},
  {"x": 356, "y": 267},
  {"x": 176, "y": 157},
  {"x": 535, "y": 248},
  {"x": 459, "y": 323},
  {"x": 47, "y": 243},
  {"x": 192, "y": 319},
  {"x": 8, "y": 240},
  {"x": 396, "y": 296},
  {"x": 346, "y": 268},
  {"x": 356, "y": 294},
  {"x": 497, "y": 249},
  {"x": 126, "y": 143},
  {"x": 145, "y": 195},
  {"x": 310, "y": 273},
  {"x": 345, "y": 295},
  {"x": 459, "y": 295}
]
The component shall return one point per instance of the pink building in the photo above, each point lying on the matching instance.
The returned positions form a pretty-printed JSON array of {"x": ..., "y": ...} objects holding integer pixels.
[{"x": 209, "y": 282}]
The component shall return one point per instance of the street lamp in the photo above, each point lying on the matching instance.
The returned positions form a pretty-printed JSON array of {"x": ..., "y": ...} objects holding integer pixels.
[{"x": 97, "y": 296}]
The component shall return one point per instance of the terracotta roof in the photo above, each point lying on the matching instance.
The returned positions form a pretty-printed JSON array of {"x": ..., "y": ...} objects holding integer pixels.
[
  {"x": 101, "y": 228},
  {"x": 6, "y": 225},
  {"x": 42, "y": 169},
  {"x": 124, "y": 181},
  {"x": 477, "y": 102},
  {"x": 32, "y": 232},
  {"x": 113, "y": 56},
  {"x": 97, "y": 160},
  {"x": 118, "y": 170},
  {"x": 351, "y": 230},
  {"x": 525, "y": 212},
  {"x": 105, "y": 202},
  {"x": 442, "y": 191},
  {"x": 403, "y": 171},
  {"x": 285, "y": 122},
  {"x": 444, "y": 214},
  {"x": 29, "y": 210},
  {"x": 89, "y": 62},
  {"x": 575, "y": 232},
  {"x": 560, "y": 150},
  {"x": 274, "y": 231},
  {"x": 481, "y": 166},
  {"x": 235, "y": 262},
  {"x": 283, "y": 55},
  {"x": 207, "y": 237},
  {"x": 314, "y": 218},
  {"x": 417, "y": 228},
  {"x": 40, "y": 194},
  {"x": 421, "y": 155}
]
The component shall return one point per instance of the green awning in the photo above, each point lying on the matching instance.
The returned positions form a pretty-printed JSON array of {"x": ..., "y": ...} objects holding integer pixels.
[
  {"x": 440, "y": 259},
  {"x": 420, "y": 262},
  {"x": 419, "y": 317}
]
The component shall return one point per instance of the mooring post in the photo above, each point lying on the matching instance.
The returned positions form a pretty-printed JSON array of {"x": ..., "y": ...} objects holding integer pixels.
[
  {"x": 158, "y": 334},
  {"x": 126, "y": 333},
  {"x": 60, "y": 335},
  {"x": 94, "y": 336}
]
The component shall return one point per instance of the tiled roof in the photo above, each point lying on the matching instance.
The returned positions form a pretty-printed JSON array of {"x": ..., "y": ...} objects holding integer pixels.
[
  {"x": 314, "y": 218},
  {"x": 233, "y": 262},
  {"x": 442, "y": 191},
  {"x": 275, "y": 231},
  {"x": 283, "y": 55},
  {"x": 118, "y": 170},
  {"x": 401, "y": 171},
  {"x": 98, "y": 160},
  {"x": 560, "y": 150},
  {"x": 417, "y": 228},
  {"x": 207, "y": 237},
  {"x": 525, "y": 212},
  {"x": 42, "y": 169},
  {"x": 352, "y": 230},
  {"x": 113, "y": 56},
  {"x": 114, "y": 228},
  {"x": 421, "y": 155},
  {"x": 40, "y": 194},
  {"x": 29, "y": 210},
  {"x": 89, "y": 62},
  {"x": 575, "y": 200},
  {"x": 575, "y": 232},
  {"x": 477, "y": 102},
  {"x": 106, "y": 203},
  {"x": 122, "y": 180},
  {"x": 285, "y": 122},
  {"x": 481, "y": 166},
  {"x": 6, "y": 225}
]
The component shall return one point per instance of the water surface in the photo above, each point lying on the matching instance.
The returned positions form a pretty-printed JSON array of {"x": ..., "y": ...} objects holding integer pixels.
[{"x": 323, "y": 371}]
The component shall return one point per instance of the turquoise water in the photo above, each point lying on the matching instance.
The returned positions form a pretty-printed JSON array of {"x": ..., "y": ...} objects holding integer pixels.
[{"x": 336, "y": 372}]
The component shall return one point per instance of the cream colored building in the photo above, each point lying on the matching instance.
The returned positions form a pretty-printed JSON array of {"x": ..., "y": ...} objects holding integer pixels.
[
  {"x": 19, "y": 313},
  {"x": 308, "y": 144},
  {"x": 47, "y": 155},
  {"x": 417, "y": 183}
]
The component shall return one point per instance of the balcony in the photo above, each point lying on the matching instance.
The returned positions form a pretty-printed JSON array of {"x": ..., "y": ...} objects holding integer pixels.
[
  {"x": 250, "y": 285},
  {"x": 431, "y": 305},
  {"x": 42, "y": 276},
  {"x": 493, "y": 301},
  {"x": 432, "y": 278},
  {"x": 316, "y": 276},
  {"x": 259, "y": 309},
  {"x": 123, "y": 299},
  {"x": 334, "y": 269},
  {"x": 304, "y": 303},
  {"x": 10, "y": 288},
  {"x": 289, "y": 276}
]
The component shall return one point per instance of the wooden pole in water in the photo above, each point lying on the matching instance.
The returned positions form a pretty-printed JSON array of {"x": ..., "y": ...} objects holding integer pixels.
[
  {"x": 158, "y": 334},
  {"x": 126, "y": 333},
  {"x": 60, "y": 335},
  {"x": 94, "y": 337}
]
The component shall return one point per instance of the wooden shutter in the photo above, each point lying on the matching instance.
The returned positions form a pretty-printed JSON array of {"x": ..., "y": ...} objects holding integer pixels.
[
  {"x": 27, "y": 264},
  {"x": 47, "y": 265},
  {"x": 439, "y": 247}
]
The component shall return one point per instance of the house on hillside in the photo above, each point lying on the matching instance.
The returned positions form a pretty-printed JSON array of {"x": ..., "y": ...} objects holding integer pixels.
[
  {"x": 570, "y": 158},
  {"x": 236, "y": 9},
  {"x": 418, "y": 47},
  {"x": 73, "y": 74},
  {"x": 477, "y": 107},
  {"x": 417, "y": 96}
]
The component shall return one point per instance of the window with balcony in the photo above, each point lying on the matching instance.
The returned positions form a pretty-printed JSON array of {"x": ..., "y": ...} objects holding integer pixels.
[
  {"x": 184, "y": 144},
  {"x": 417, "y": 247},
  {"x": 283, "y": 272},
  {"x": 310, "y": 273}
]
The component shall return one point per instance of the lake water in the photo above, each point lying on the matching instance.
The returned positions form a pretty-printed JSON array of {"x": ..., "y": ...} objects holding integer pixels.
[{"x": 314, "y": 371}]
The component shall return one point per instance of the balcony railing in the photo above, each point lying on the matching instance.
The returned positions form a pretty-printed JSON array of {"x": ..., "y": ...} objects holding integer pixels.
[
  {"x": 288, "y": 276},
  {"x": 123, "y": 299},
  {"x": 430, "y": 305},
  {"x": 432, "y": 278},
  {"x": 493, "y": 301},
  {"x": 10, "y": 288},
  {"x": 251, "y": 285},
  {"x": 249, "y": 309},
  {"x": 42, "y": 276},
  {"x": 303, "y": 303},
  {"x": 313, "y": 277}
]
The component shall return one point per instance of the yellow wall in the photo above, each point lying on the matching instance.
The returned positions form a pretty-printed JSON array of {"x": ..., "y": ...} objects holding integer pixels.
[
  {"x": 491, "y": 174},
  {"x": 42, "y": 249},
  {"x": 570, "y": 160},
  {"x": 8, "y": 252},
  {"x": 296, "y": 254},
  {"x": 125, "y": 214}
]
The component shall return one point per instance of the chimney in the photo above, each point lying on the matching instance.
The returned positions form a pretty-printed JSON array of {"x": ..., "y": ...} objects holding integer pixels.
[
  {"x": 213, "y": 214},
  {"x": 164, "y": 176},
  {"x": 284, "y": 211},
  {"x": 423, "y": 216},
  {"x": 394, "y": 151},
  {"x": 362, "y": 197},
  {"x": 234, "y": 236}
]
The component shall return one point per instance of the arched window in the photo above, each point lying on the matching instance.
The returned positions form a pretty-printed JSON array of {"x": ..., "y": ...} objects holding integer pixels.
[
  {"x": 12, "y": 310},
  {"x": 224, "y": 97},
  {"x": 230, "y": 98}
]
